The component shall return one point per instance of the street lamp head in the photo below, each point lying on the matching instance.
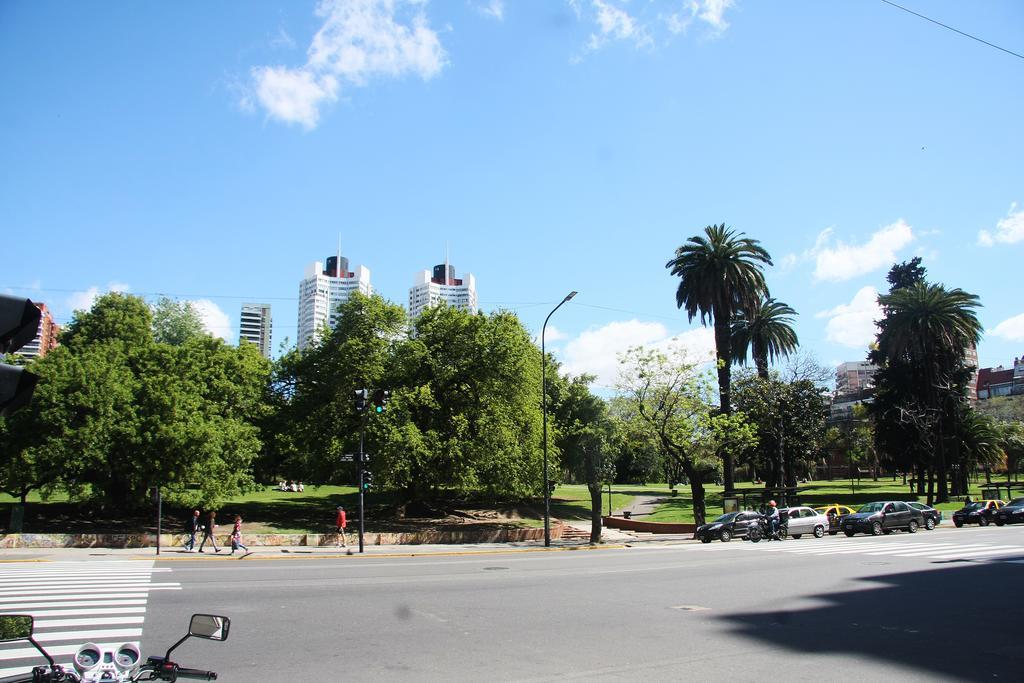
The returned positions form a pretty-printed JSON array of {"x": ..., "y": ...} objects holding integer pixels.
[{"x": 571, "y": 295}]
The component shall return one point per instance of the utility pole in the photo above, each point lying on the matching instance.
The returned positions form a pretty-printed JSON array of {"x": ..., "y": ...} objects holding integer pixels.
[{"x": 362, "y": 457}]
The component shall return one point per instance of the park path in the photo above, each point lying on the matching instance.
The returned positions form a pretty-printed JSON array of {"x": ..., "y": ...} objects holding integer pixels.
[{"x": 641, "y": 506}]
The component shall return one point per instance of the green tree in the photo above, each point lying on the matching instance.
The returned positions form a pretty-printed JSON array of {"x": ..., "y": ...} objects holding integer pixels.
[
  {"x": 790, "y": 418},
  {"x": 766, "y": 330},
  {"x": 176, "y": 322},
  {"x": 585, "y": 434},
  {"x": 467, "y": 412},
  {"x": 675, "y": 401},
  {"x": 924, "y": 334},
  {"x": 720, "y": 274},
  {"x": 116, "y": 412},
  {"x": 638, "y": 455},
  {"x": 313, "y": 422}
]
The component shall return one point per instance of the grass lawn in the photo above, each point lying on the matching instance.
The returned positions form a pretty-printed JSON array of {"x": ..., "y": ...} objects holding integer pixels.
[
  {"x": 818, "y": 493},
  {"x": 268, "y": 510}
]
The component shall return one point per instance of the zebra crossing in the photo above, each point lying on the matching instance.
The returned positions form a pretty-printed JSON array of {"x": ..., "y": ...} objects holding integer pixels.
[
  {"x": 874, "y": 547},
  {"x": 73, "y": 603}
]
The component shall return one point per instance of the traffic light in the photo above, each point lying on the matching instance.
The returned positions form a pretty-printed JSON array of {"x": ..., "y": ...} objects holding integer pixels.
[
  {"x": 367, "y": 480},
  {"x": 361, "y": 395},
  {"x": 380, "y": 400},
  {"x": 19, "y": 323}
]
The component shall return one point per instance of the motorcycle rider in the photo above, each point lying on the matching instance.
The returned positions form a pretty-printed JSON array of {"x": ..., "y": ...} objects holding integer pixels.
[{"x": 774, "y": 519}]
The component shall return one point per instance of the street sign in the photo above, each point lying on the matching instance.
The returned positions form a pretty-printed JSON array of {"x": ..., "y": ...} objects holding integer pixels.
[{"x": 347, "y": 457}]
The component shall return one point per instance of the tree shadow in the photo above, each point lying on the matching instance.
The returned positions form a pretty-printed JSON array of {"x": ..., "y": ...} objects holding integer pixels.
[{"x": 960, "y": 620}]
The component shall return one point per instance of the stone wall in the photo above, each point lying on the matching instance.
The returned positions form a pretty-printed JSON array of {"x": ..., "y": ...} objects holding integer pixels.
[{"x": 440, "y": 537}]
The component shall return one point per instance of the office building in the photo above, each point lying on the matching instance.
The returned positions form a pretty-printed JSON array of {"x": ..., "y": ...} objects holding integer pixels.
[
  {"x": 255, "y": 326},
  {"x": 46, "y": 336},
  {"x": 441, "y": 285},
  {"x": 322, "y": 290},
  {"x": 854, "y": 377}
]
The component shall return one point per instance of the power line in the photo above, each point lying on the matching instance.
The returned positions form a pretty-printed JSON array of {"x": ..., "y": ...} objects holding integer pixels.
[{"x": 955, "y": 30}]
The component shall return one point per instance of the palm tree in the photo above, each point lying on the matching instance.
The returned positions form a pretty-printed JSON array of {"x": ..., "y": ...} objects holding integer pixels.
[
  {"x": 928, "y": 327},
  {"x": 767, "y": 330},
  {"x": 720, "y": 274}
]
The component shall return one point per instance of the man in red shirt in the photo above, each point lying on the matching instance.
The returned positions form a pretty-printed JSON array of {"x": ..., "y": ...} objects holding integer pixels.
[{"x": 341, "y": 521}]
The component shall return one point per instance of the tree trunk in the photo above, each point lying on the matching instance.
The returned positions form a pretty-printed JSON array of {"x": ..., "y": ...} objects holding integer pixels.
[
  {"x": 595, "y": 512},
  {"x": 722, "y": 348},
  {"x": 697, "y": 492},
  {"x": 760, "y": 359},
  {"x": 931, "y": 487},
  {"x": 920, "y": 479}
]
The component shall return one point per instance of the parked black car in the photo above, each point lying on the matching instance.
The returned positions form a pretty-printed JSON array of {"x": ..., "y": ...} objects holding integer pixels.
[
  {"x": 882, "y": 518},
  {"x": 932, "y": 517},
  {"x": 728, "y": 526},
  {"x": 1011, "y": 513},
  {"x": 981, "y": 513}
]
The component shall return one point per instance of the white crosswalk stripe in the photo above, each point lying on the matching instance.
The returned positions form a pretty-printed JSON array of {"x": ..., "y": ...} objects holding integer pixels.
[
  {"x": 895, "y": 546},
  {"x": 73, "y": 603}
]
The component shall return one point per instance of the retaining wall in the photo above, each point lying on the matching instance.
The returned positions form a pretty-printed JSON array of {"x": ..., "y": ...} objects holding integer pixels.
[
  {"x": 649, "y": 527},
  {"x": 440, "y": 537}
]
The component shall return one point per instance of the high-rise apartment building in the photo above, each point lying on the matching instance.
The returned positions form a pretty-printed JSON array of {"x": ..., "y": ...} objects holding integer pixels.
[
  {"x": 855, "y": 376},
  {"x": 46, "y": 336},
  {"x": 322, "y": 290},
  {"x": 441, "y": 285},
  {"x": 255, "y": 326}
]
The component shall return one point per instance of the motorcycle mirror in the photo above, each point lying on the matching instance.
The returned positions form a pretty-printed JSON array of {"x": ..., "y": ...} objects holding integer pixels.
[
  {"x": 15, "y": 627},
  {"x": 209, "y": 626}
]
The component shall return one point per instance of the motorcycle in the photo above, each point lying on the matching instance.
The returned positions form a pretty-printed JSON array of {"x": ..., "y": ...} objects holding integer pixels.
[
  {"x": 762, "y": 530},
  {"x": 122, "y": 664}
]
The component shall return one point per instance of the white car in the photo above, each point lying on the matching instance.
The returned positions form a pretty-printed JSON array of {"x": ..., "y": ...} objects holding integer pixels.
[{"x": 802, "y": 520}]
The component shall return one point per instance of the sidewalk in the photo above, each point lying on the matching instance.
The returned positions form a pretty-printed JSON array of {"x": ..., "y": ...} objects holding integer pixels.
[{"x": 300, "y": 552}]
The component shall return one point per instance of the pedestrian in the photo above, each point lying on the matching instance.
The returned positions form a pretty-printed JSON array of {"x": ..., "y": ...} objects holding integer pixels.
[
  {"x": 341, "y": 521},
  {"x": 194, "y": 526},
  {"x": 236, "y": 536},
  {"x": 211, "y": 524}
]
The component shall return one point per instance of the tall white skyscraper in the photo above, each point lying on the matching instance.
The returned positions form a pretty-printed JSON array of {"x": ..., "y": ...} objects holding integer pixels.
[
  {"x": 430, "y": 289},
  {"x": 322, "y": 290},
  {"x": 255, "y": 326}
]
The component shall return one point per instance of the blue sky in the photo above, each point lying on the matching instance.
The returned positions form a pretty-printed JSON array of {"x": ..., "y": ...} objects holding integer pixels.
[{"x": 211, "y": 151}]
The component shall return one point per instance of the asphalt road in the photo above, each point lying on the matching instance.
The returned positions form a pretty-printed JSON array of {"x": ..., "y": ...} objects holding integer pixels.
[{"x": 942, "y": 605}]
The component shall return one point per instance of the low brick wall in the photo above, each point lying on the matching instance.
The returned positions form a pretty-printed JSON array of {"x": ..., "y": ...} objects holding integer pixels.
[
  {"x": 439, "y": 537},
  {"x": 649, "y": 527}
]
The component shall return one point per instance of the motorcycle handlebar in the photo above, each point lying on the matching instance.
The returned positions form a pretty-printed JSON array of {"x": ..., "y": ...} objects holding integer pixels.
[{"x": 197, "y": 673}]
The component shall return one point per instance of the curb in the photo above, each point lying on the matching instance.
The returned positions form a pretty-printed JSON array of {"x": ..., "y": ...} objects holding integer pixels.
[{"x": 310, "y": 555}]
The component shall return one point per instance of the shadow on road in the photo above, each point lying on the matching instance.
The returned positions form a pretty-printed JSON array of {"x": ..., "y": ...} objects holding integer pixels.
[{"x": 959, "y": 619}]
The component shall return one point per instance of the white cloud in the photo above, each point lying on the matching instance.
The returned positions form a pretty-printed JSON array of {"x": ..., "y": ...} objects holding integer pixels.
[
  {"x": 839, "y": 261},
  {"x": 596, "y": 351},
  {"x": 615, "y": 23},
  {"x": 215, "y": 321},
  {"x": 553, "y": 334},
  {"x": 282, "y": 40},
  {"x": 853, "y": 324},
  {"x": 1011, "y": 329},
  {"x": 82, "y": 301},
  {"x": 711, "y": 12},
  {"x": 495, "y": 9},
  {"x": 358, "y": 41},
  {"x": 293, "y": 95},
  {"x": 1009, "y": 230}
]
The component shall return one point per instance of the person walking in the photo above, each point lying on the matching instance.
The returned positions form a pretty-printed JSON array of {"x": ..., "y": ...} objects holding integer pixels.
[
  {"x": 194, "y": 526},
  {"x": 211, "y": 524},
  {"x": 341, "y": 521},
  {"x": 236, "y": 536}
]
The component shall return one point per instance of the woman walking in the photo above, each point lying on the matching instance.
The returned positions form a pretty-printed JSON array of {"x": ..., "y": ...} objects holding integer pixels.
[
  {"x": 211, "y": 524},
  {"x": 236, "y": 536}
]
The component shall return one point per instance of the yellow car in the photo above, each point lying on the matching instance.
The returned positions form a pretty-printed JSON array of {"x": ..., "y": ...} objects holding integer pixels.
[{"x": 835, "y": 514}]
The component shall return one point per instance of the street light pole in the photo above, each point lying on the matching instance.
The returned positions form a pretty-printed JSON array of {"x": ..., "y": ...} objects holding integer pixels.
[{"x": 544, "y": 403}]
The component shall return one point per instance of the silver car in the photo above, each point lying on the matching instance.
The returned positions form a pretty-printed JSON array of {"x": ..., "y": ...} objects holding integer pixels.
[{"x": 802, "y": 520}]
